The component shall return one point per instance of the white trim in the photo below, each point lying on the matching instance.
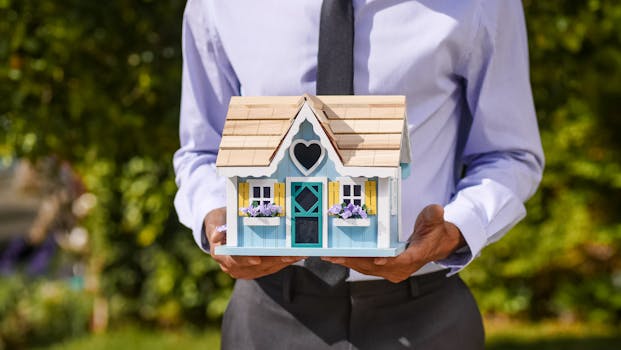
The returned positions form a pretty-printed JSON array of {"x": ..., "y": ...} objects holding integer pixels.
[
  {"x": 394, "y": 195},
  {"x": 307, "y": 143},
  {"x": 352, "y": 181},
  {"x": 231, "y": 211},
  {"x": 323, "y": 210},
  {"x": 406, "y": 151},
  {"x": 261, "y": 221},
  {"x": 253, "y": 171},
  {"x": 399, "y": 206},
  {"x": 260, "y": 183},
  {"x": 288, "y": 213},
  {"x": 383, "y": 213},
  {"x": 355, "y": 222},
  {"x": 306, "y": 113}
]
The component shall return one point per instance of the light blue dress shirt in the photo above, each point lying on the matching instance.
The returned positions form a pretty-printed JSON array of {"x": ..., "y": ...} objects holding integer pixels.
[{"x": 462, "y": 65}]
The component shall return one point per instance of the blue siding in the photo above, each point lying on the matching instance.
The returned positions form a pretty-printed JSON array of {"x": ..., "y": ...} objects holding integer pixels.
[
  {"x": 406, "y": 170},
  {"x": 287, "y": 168},
  {"x": 342, "y": 237},
  {"x": 261, "y": 236},
  {"x": 353, "y": 237}
]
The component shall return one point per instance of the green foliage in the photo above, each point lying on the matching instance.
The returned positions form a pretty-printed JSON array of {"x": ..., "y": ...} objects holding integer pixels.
[
  {"x": 547, "y": 335},
  {"x": 501, "y": 335},
  {"x": 98, "y": 84},
  {"x": 144, "y": 339},
  {"x": 564, "y": 259},
  {"x": 83, "y": 78},
  {"x": 35, "y": 312}
]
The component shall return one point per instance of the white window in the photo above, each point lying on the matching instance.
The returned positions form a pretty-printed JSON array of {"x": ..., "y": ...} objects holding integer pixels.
[
  {"x": 352, "y": 190},
  {"x": 261, "y": 191}
]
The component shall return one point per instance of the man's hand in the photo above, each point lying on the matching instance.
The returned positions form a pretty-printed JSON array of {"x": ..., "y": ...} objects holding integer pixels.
[
  {"x": 245, "y": 267},
  {"x": 433, "y": 239}
]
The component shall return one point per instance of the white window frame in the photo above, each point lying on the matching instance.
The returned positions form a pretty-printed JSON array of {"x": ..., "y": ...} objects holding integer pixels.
[
  {"x": 260, "y": 183},
  {"x": 351, "y": 181}
]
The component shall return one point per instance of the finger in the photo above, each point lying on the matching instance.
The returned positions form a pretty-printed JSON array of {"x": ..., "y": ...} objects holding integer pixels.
[
  {"x": 226, "y": 262},
  {"x": 291, "y": 259},
  {"x": 433, "y": 214},
  {"x": 430, "y": 217},
  {"x": 217, "y": 238},
  {"x": 267, "y": 267},
  {"x": 358, "y": 264},
  {"x": 380, "y": 261},
  {"x": 236, "y": 260},
  {"x": 272, "y": 260},
  {"x": 411, "y": 258}
]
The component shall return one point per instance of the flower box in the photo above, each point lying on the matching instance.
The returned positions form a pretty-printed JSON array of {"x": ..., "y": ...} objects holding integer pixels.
[
  {"x": 261, "y": 221},
  {"x": 351, "y": 222}
]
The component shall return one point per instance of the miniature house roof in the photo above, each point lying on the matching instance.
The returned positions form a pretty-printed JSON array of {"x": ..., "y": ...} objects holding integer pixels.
[{"x": 362, "y": 131}]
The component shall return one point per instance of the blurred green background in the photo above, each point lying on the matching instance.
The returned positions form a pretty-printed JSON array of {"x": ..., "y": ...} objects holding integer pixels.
[{"x": 88, "y": 125}]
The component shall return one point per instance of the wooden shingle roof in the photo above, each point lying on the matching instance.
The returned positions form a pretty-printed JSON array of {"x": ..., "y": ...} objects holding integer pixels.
[{"x": 365, "y": 131}]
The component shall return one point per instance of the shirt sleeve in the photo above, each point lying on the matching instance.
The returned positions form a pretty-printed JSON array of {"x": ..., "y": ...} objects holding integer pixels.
[
  {"x": 503, "y": 154},
  {"x": 208, "y": 82}
]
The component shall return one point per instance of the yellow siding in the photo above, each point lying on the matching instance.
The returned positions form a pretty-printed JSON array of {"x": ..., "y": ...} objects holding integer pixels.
[
  {"x": 243, "y": 194},
  {"x": 330, "y": 195},
  {"x": 333, "y": 193},
  {"x": 279, "y": 196},
  {"x": 370, "y": 192}
]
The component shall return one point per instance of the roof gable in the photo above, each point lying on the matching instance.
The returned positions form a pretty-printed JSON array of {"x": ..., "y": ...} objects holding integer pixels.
[{"x": 363, "y": 131}]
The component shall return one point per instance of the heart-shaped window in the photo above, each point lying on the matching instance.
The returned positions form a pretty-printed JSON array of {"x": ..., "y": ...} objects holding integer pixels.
[{"x": 307, "y": 155}]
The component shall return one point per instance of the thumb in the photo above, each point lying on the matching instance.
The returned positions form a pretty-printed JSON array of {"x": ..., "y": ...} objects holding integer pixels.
[
  {"x": 216, "y": 237},
  {"x": 433, "y": 214}
]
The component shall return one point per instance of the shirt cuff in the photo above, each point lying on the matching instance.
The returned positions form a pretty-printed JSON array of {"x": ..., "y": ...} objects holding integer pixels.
[
  {"x": 473, "y": 232},
  {"x": 202, "y": 206}
]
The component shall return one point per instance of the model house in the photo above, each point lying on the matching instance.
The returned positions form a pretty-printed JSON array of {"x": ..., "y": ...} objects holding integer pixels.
[{"x": 314, "y": 175}]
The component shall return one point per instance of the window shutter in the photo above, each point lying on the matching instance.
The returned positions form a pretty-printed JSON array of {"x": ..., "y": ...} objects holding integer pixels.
[
  {"x": 279, "y": 197},
  {"x": 370, "y": 192},
  {"x": 334, "y": 189},
  {"x": 243, "y": 196}
]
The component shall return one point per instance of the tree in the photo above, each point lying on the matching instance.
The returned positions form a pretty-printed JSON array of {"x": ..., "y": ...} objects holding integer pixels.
[
  {"x": 98, "y": 85},
  {"x": 564, "y": 259}
]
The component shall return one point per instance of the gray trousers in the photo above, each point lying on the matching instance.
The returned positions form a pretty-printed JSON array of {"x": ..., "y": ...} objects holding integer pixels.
[{"x": 293, "y": 309}]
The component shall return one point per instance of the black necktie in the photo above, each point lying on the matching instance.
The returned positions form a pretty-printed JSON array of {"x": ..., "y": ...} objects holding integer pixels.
[
  {"x": 335, "y": 60},
  {"x": 335, "y": 76}
]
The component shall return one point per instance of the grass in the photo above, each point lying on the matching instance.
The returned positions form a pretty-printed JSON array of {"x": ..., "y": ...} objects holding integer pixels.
[
  {"x": 551, "y": 335},
  {"x": 137, "y": 339},
  {"x": 501, "y": 335}
]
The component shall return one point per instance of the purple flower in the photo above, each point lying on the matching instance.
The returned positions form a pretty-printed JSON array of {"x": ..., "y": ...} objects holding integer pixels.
[
  {"x": 261, "y": 210},
  {"x": 350, "y": 207},
  {"x": 265, "y": 210},
  {"x": 359, "y": 212},
  {"x": 275, "y": 209},
  {"x": 253, "y": 211},
  {"x": 349, "y": 210},
  {"x": 335, "y": 209}
]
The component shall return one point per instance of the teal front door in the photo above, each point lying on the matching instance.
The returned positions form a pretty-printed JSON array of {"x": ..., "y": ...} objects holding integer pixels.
[{"x": 306, "y": 214}]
